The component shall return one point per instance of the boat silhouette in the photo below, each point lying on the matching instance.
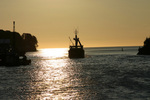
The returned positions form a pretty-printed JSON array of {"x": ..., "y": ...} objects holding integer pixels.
[{"x": 76, "y": 51}]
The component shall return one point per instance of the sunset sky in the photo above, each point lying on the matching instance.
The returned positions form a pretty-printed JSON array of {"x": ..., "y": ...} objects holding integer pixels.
[{"x": 100, "y": 22}]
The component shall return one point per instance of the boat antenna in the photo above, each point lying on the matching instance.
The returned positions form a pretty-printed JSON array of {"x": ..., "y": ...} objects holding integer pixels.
[
  {"x": 76, "y": 31},
  {"x": 13, "y": 26},
  {"x": 71, "y": 41}
]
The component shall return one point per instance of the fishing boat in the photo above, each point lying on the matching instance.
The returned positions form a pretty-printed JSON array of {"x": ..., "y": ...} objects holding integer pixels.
[{"x": 76, "y": 51}]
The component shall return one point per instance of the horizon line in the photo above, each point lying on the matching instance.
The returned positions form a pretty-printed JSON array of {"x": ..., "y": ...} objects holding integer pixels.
[{"x": 87, "y": 47}]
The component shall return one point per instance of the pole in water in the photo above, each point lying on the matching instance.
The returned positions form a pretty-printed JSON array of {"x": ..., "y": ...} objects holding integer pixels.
[
  {"x": 122, "y": 49},
  {"x": 13, "y": 26}
]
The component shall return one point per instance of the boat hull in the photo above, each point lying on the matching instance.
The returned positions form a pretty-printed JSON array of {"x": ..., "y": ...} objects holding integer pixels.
[{"x": 76, "y": 53}]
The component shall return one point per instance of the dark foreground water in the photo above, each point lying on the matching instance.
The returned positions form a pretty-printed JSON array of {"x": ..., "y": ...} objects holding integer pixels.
[{"x": 105, "y": 74}]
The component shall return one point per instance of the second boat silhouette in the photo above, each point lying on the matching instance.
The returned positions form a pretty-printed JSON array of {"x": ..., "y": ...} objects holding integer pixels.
[{"x": 76, "y": 51}]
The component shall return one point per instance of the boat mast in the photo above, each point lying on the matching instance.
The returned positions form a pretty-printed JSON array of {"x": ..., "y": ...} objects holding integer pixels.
[
  {"x": 14, "y": 41},
  {"x": 76, "y": 38},
  {"x": 13, "y": 26}
]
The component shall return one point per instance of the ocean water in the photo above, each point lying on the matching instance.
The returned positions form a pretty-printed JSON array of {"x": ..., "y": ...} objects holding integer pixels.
[{"x": 106, "y": 73}]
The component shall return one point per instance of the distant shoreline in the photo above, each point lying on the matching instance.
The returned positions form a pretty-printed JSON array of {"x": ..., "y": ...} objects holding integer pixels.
[
  {"x": 113, "y": 47},
  {"x": 95, "y": 47}
]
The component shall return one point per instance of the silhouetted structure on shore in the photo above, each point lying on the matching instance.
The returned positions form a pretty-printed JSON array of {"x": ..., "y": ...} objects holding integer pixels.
[
  {"x": 145, "y": 50},
  {"x": 24, "y": 43},
  {"x": 76, "y": 51},
  {"x": 13, "y": 47}
]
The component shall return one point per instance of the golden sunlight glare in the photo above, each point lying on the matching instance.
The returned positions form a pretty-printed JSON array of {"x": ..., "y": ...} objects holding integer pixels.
[{"x": 54, "y": 52}]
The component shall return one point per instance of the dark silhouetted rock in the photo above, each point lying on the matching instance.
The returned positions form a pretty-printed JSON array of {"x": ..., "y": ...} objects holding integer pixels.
[
  {"x": 13, "y": 47},
  {"x": 30, "y": 42},
  {"x": 145, "y": 50},
  {"x": 24, "y": 43}
]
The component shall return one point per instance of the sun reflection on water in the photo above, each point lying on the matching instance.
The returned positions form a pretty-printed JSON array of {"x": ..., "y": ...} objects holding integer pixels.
[
  {"x": 54, "y": 52},
  {"x": 52, "y": 78}
]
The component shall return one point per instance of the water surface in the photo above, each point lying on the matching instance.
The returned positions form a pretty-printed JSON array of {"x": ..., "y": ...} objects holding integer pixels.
[{"x": 104, "y": 74}]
